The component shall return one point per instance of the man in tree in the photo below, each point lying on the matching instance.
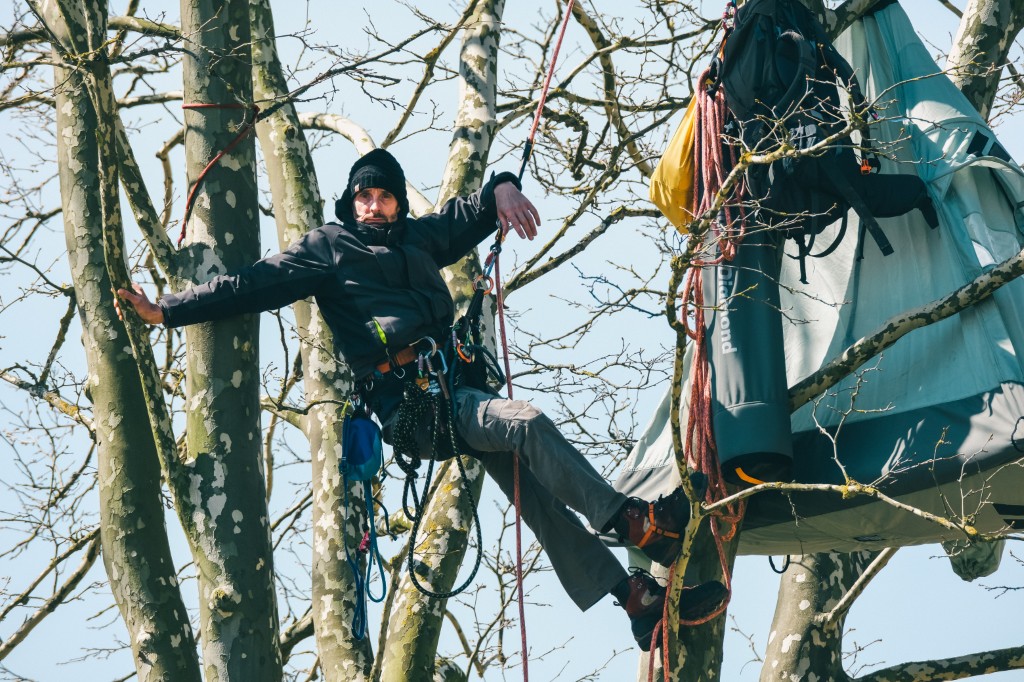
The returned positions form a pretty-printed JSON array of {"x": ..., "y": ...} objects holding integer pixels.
[{"x": 375, "y": 277}]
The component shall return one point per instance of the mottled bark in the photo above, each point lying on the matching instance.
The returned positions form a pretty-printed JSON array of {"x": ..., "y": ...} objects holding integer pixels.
[
  {"x": 415, "y": 625},
  {"x": 954, "y": 668},
  {"x": 135, "y": 24},
  {"x": 476, "y": 119},
  {"x": 232, "y": 532},
  {"x": 448, "y": 671},
  {"x": 136, "y": 552},
  {"x": 805, "y": 643},
  {"x": 981, "y": 46},
  {"x": 695, "y": 652},
  {"x": 145, "y": 212},
  {"x": 298, "y": 207},
  {"x": 799, "y": 649}
]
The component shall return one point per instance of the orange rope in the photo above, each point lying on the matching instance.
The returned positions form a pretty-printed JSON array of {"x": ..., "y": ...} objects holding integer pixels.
[{"x": 728, "y": 228}]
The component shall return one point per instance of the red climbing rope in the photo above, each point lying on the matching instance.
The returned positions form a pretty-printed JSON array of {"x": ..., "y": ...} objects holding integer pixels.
[
  {"x": 492, "y": 261},
  {"x": 242, "y": 134},
  {"x": 528, "y": 149},
  {"x": 500, "y": 302},
  {"x": 528, "y": 146},
  {"x": 727, "y": 231}
]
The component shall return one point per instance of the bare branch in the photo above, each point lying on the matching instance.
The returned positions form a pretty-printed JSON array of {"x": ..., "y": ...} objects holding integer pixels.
[
  {"x": 844, "y": 604},
  {"x": 54, "y": 601}
]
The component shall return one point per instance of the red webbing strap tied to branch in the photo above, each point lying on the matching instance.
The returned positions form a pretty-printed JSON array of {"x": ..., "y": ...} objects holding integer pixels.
[{"x": 242, "y": 134}]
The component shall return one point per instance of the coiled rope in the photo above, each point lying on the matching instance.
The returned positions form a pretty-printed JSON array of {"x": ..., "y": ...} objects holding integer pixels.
[{"x": 416, "y": 404}]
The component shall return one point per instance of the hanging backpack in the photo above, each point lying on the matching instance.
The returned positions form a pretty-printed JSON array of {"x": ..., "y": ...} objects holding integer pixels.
[
  {"x": 782, "y": 76},
  {"x": 362, "y": 456}
]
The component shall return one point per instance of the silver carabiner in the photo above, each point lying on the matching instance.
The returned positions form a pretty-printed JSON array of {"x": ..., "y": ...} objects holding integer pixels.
[{"x": 433, "y": 345}]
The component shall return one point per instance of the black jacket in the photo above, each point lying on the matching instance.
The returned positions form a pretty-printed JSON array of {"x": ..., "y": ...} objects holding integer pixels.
[{"x": 377, "y": 286}]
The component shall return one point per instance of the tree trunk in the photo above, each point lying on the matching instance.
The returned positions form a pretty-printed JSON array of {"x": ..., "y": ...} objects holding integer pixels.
[
  {"x": 232, "y": 531},
  {"x": 982, "y": 43},
  {"x": 698, "y": 650},
  {"x": 802, "y": 648},
  {"x": 298, "y": 207},
  {"x": 415, "y": 625},
  {"x": 136, "y": 552}
]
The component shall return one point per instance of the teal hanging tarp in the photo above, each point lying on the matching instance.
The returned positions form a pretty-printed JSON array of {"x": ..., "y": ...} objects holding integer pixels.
[{"x": 936, "y": 419}]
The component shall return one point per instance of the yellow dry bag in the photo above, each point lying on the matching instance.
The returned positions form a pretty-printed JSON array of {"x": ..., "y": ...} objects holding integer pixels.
[{"x": 672, "y": 182}]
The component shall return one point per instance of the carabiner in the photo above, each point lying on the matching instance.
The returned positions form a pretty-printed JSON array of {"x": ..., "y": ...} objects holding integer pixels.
[
  {"x": 483, "y": 278},
  {"x": 433, "y": 345}
]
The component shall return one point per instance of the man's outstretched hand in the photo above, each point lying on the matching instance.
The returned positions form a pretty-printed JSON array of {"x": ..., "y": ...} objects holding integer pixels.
[
  {"x": 150, "y": 312},
  {"x": 515, "y": 211}
]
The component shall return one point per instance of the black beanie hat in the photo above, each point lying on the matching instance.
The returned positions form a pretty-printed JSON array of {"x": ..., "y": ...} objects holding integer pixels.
[{"x": 377, "y": 168}]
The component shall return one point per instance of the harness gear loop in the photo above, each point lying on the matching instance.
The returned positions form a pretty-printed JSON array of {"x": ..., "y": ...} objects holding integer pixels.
[{"x": 785, "y": 564}]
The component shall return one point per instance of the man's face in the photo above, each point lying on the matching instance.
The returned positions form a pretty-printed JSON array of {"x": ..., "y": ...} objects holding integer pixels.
[{"x": 375, "y": 206}]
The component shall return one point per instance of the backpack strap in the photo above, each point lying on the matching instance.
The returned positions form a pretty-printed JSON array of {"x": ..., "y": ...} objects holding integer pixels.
[
  {"x": 851, "y": 196},
  {"x": 799, "y": 86}
]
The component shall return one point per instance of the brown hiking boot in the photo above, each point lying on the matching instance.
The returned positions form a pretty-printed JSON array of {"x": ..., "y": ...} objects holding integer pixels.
[
  {"x": 646, "y": 603},
  {"x": 655, "y": 527},
  {"x": 644, "y": 606}
]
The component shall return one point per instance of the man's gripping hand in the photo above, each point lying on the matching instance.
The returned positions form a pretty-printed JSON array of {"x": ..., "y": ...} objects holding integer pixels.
[
  {"x": 150, "y": 312},
  {"x": 515, "y": 211}
]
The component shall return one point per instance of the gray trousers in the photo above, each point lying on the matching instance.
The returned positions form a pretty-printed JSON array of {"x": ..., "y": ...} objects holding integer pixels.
[{"x": 553, "y": 475}]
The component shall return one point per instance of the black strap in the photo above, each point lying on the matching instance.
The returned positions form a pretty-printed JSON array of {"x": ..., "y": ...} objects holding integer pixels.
[
  {"x": 797, "y": 90},
  {"x": 851, "y": 196}
]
